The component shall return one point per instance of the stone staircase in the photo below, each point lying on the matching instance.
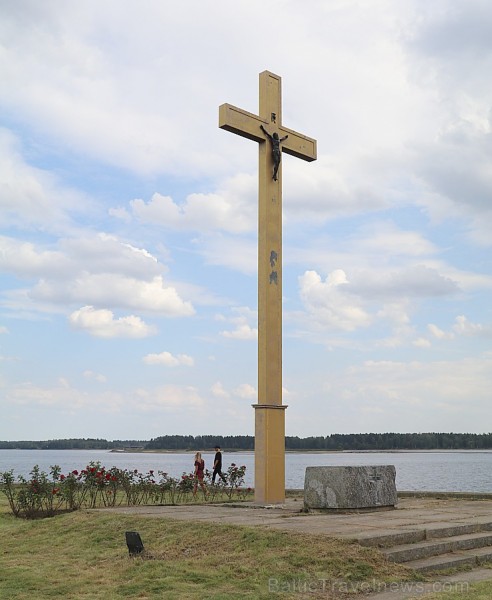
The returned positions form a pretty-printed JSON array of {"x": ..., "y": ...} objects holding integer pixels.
[{"x": 437, "y": 548}]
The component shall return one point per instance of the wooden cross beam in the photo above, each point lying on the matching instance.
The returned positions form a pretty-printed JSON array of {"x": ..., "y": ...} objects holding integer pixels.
[
  {"x": 248, "y": 125},
  {"x": 273, "y": 139}
]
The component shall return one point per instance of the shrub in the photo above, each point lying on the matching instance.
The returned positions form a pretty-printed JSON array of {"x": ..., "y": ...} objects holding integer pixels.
[{"x": 95, "y": 486}]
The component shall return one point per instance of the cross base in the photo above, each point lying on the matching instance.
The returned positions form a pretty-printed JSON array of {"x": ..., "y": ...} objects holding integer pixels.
[{"x": 269, "y": 453}]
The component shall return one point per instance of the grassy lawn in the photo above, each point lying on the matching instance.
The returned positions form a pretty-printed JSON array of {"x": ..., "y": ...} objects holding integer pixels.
[{"x": 84, "y": 555}]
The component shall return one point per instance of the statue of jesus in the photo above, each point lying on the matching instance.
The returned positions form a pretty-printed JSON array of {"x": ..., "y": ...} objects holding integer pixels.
[{"x": 276, "y": 152}]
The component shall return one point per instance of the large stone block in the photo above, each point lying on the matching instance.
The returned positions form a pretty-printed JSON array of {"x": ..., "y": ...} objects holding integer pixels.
[{"x": 350, "y": 487}]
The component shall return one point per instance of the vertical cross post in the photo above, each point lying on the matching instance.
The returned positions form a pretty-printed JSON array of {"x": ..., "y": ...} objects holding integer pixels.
[{"x": 267, "y": 129}]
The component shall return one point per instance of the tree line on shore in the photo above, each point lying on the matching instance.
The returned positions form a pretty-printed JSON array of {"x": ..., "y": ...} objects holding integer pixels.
[{"x": 333, "y": 442}]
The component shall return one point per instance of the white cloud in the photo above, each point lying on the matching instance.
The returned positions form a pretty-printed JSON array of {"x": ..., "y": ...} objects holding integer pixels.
[
  {"x": 231, "y": 208},
  {"x": 101, "y": 323},
  {"x": 463, "y": 326},
  {"x": 72, "y": 91},
  {"x": 120, "y": 213},
  {"x": 324, "y": 191},
  {"x": 219, "y": 391},
  {"x": 451, "y": 384},
  {"x": 438, "y": 333},
  {"x": 115, "y": 104},
  {"x": 457, "y": 174},
  {"x": 235, "y": 253},
  {"x": 99, "y": 253},
  {"x": 62, "y": 397},
  {"x": 168, "y": 360},
  {"x": 404, "y": 396},
  {"x": 384, "y": 237},
  {"x": 451, "y": 41},
  {"x": 396, "y": 314},
  {"x": 416, "y": 281},
  {"x": 113, "y": 290},
  {"x": 241, "y": 320},
  {"x": 169, "y": 398},
  {"x": 88, "y": 374},
  {"x": 108, "y": 253},
  {"x": 247, "y": 391},
  {"x": 449, "y": 50},
  {"x": 100, "y": 271},
  {"x": 330, "y": 303},
  {"x": 242, "y": 332},
  {"x": 33, "y": 197},
  {"x": 25, "y": 260},
  {"x": 65, "y": 399}
]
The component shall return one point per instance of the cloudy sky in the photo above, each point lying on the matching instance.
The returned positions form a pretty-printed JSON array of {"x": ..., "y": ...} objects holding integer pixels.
[{"x": 128, "y": 240}]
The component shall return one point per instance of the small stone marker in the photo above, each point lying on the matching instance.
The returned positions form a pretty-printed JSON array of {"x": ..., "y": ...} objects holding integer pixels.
[
  {"x": 134, "y": 543},
  {"x": 350, "y": 487}
]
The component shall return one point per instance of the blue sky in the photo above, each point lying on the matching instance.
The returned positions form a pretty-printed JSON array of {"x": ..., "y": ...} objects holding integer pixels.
[{"x": 128, "y": 244}]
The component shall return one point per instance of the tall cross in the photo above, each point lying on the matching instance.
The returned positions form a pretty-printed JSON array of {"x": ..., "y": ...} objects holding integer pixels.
[{"x": 273, "y": 138}]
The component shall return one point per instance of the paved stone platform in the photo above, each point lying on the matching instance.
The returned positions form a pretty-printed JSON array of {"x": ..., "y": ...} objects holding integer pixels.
[{"x": 411, "y": 514}]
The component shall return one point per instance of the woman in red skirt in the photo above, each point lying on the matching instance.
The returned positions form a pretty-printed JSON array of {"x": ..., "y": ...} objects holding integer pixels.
[{"x": 199, "y": 469}]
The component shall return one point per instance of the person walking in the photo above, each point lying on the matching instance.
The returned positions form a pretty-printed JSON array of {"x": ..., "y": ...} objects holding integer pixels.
[
  {"x": 218, "y": 465},
  {"x": 199, "y": 474}
]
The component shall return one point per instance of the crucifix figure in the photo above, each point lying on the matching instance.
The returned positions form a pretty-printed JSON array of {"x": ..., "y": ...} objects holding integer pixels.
[
  {"x": 269, "y": 411},
  {"x": 276, "y": 151}
]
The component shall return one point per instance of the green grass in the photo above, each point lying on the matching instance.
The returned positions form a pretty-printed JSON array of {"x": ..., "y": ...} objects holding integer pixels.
[{"x": 84, "y": 555}]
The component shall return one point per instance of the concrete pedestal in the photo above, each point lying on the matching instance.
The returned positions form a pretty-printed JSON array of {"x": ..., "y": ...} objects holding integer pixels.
[
  {"x": 269, "y": 454},
  {"x": 350, "y": 487}
]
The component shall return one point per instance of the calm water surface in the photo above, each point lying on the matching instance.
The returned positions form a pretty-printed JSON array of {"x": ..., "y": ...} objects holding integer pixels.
[{"x": 463, "y": 471}]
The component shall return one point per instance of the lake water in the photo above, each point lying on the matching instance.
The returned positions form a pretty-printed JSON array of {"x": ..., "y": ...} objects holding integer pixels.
[{"x": 456, "y": 471}]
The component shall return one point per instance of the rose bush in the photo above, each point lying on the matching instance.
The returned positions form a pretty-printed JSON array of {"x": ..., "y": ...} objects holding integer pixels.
[{"x": 44, "y": 495}]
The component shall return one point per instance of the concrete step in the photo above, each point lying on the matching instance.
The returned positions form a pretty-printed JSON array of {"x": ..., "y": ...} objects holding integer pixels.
[
  {"x": 442, "y": 531},
  {"x": 431, "y": 532},
  {"x": 452, "y": 560},
  {"x": 411, "y": 552},
  {"x": 389, "y": 540}
]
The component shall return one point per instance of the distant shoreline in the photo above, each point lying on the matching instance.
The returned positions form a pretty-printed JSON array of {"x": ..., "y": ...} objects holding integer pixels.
[
  {"x": 330, "y": 444},
  {"x": 236, "y": 451},
  {"x": 240, "y": 451}
]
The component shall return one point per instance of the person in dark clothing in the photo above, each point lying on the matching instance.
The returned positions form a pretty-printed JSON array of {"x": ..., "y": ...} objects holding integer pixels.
[{"x": 218, "y": 465}]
